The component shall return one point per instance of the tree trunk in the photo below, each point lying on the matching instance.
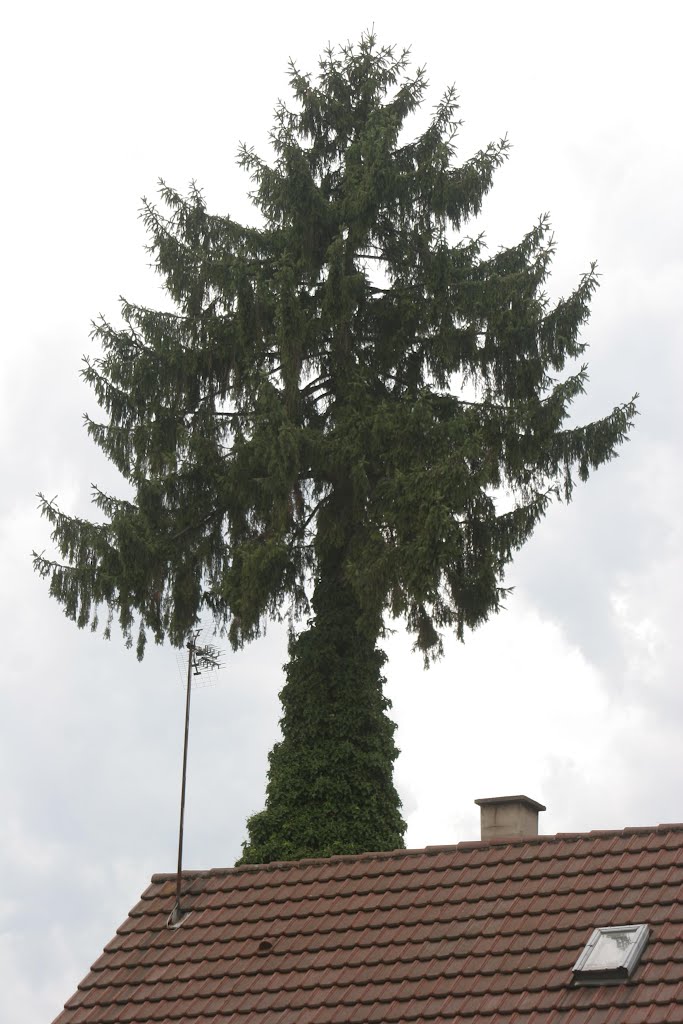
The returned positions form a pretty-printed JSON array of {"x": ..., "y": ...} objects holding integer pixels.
[{"x": 330, "y": 786}]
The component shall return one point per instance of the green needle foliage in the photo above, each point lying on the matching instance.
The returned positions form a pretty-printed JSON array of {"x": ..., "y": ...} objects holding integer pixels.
[{"x": 325, "y": 426}]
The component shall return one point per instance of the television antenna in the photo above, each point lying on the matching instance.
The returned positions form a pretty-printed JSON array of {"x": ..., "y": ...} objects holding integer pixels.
[{"x": 200, "y": 658}]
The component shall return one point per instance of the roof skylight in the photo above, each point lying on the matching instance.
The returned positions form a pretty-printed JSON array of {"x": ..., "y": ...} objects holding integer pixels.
[{"x": 611, "y": 954}]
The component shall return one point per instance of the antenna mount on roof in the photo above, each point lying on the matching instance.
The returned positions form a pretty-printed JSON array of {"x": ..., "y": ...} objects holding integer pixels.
[{"x": 198, "y": 659}]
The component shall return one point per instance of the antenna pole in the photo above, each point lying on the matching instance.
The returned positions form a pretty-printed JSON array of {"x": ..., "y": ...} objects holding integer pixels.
[{"x": 191, "y": 643}]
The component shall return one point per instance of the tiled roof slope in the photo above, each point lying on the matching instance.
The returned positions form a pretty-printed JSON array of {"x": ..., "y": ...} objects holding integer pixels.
[{"x": 479, "y": 932}]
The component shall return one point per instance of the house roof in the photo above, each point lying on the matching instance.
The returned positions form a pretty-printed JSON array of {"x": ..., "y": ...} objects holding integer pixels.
[{"x": 478, "y": 932}]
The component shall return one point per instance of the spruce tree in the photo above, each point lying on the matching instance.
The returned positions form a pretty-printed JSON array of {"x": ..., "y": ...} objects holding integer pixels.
[{"x": 326, "y": 425}]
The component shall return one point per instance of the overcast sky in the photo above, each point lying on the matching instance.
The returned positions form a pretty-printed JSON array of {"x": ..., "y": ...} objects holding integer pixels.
[{"x": 573, "y": 694}]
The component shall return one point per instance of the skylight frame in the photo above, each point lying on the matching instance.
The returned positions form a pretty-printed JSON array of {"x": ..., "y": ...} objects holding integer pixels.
[{"x": 601, "y": 974}]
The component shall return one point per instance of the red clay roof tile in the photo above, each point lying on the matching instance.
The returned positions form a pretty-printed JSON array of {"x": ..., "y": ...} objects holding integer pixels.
[{"x": 479, "y": 932}]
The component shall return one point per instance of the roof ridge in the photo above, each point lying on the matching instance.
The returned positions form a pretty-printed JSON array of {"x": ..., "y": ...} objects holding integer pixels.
[{"x": 354, "y": 858}]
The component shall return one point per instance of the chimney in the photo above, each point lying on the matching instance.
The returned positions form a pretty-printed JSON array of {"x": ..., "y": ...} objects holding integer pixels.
[{"x": 506, "y": 817}]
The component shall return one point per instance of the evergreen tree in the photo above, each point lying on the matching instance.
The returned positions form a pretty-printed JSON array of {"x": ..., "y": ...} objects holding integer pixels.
[{"x": 325, "y": 424}]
